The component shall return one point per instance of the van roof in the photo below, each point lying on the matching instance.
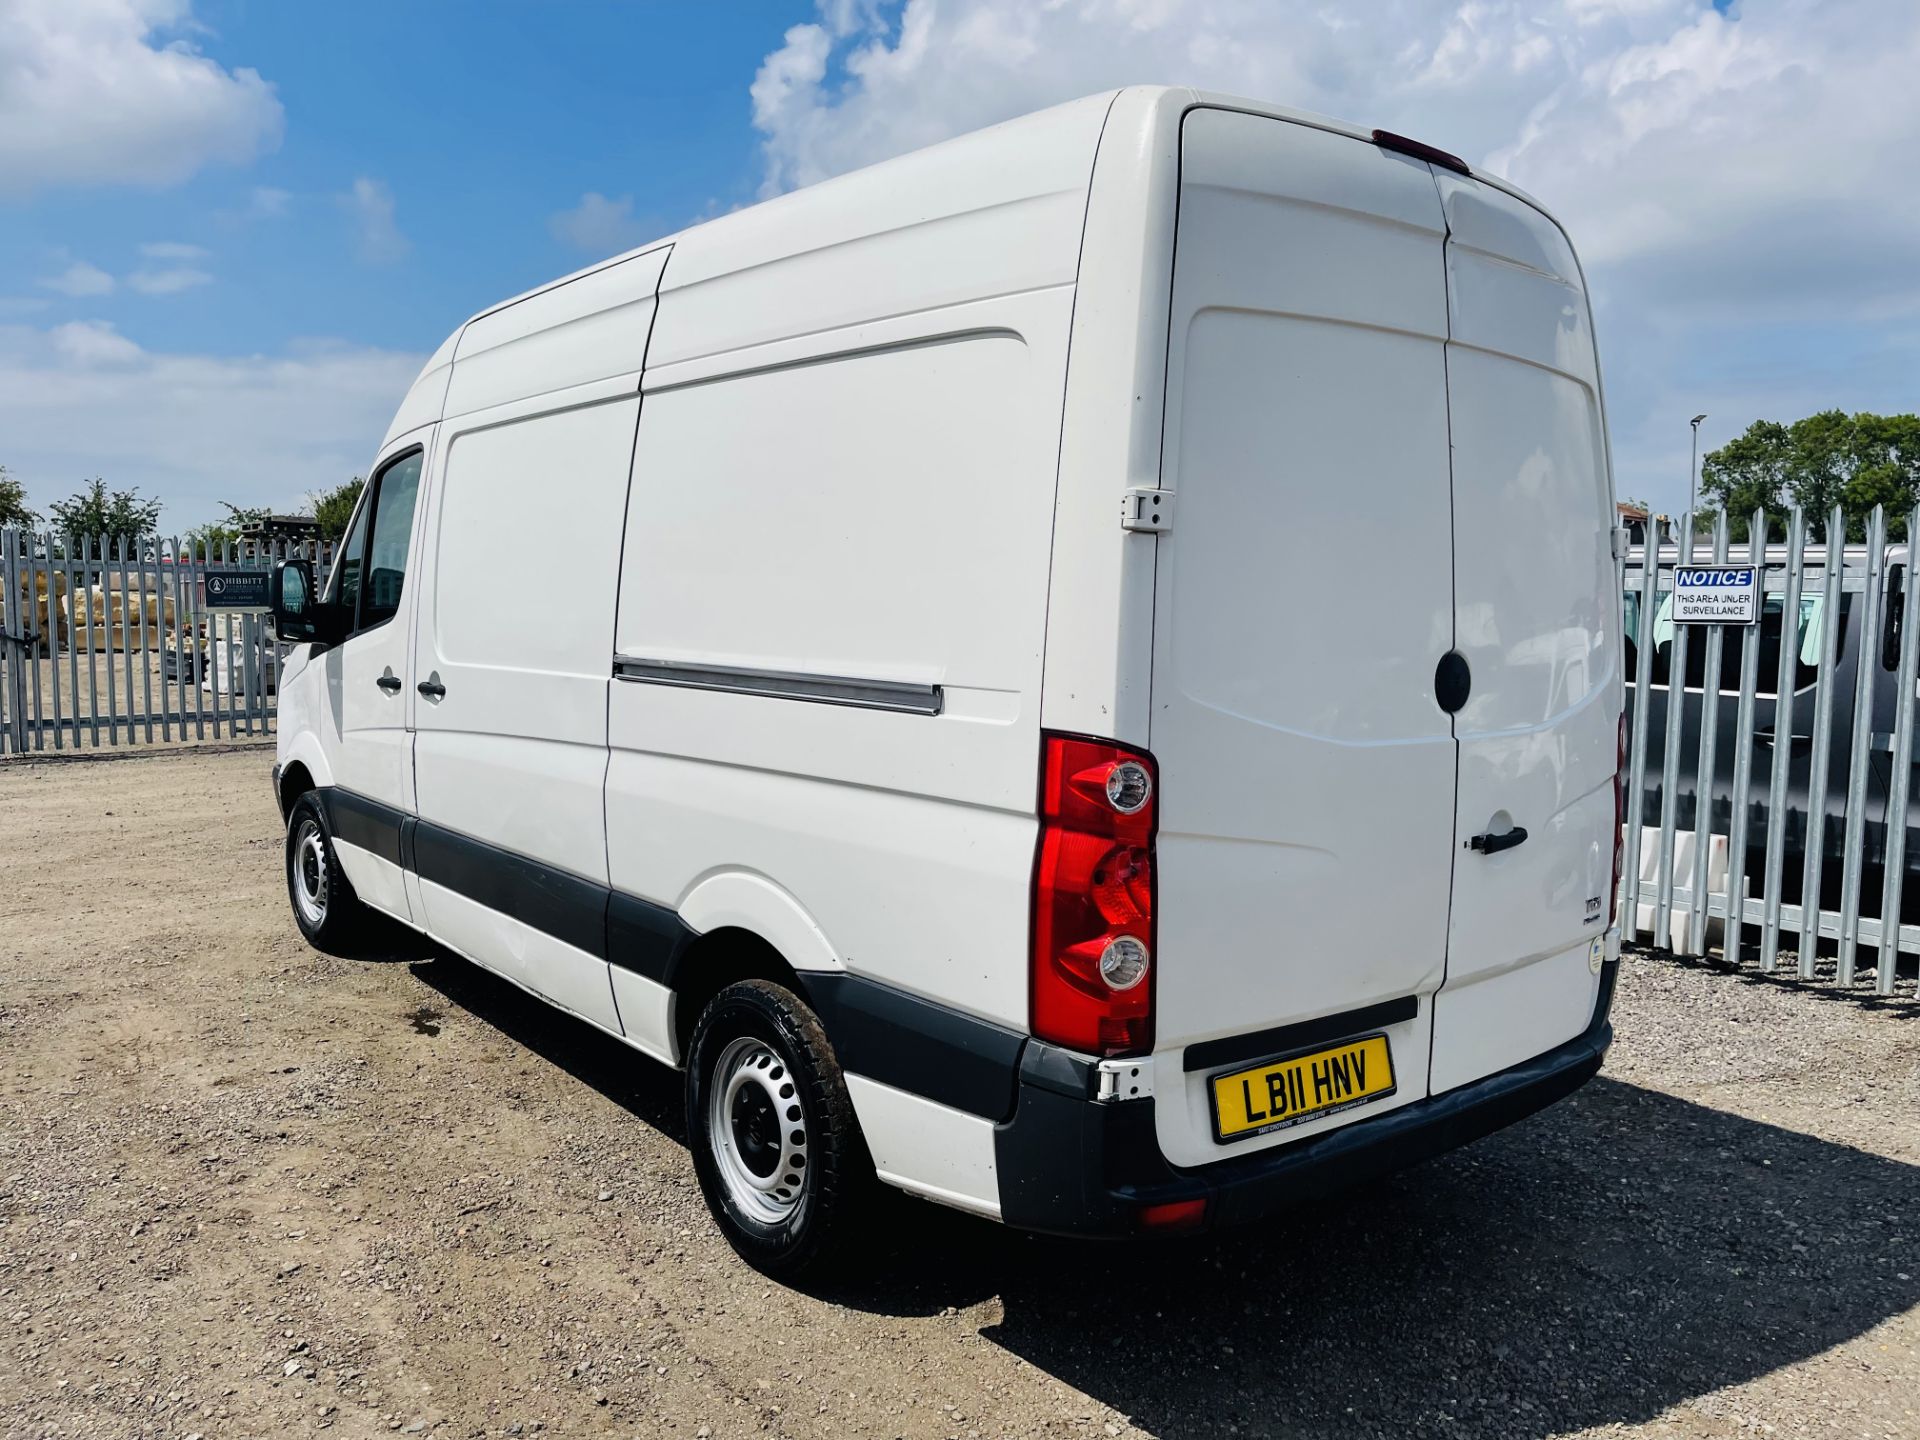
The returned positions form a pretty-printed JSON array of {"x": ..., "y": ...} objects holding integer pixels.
[{"x": 1045, "y": 153}]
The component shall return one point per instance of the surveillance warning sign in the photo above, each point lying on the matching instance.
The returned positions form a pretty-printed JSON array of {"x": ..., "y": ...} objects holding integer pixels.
[{"x": 1716, "y": 595}]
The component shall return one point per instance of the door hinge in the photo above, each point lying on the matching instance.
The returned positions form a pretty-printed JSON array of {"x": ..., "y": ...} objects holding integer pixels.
[
  {"x": 1622, "y": 541},
  {"x": 1147, "y": 509}
]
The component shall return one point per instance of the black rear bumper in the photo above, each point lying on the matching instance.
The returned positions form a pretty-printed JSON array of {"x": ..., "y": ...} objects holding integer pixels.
[{"x": 1069, "y": 1164}]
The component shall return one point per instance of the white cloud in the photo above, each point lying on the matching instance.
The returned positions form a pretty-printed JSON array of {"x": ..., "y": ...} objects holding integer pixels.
[
  {"x": 80, "y": 279},
  {"x": 172, "y": 250},
  {"x": 1723, "y": 177},
  {"x": 83, "y": 399},
  {"x": 92, "y": 345},
  {"x": 169, "y": 281},
  {"x": 601, "y": 226},
  {"x": 377, "y": 239},
  {"x": 97, "y": 92}
]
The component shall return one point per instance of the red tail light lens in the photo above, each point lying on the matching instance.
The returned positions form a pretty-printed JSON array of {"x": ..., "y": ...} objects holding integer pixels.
[
  {"x": 1620, "y": 778},
  {"x": 1093, "y": 893},
  {"x": 1173, "y": 1215}
]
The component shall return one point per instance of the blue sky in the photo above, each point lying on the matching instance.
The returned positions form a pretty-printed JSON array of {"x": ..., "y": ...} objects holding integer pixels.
[
  {"x": 481, "y": 121},
  {"x": 230, "y": 230}
]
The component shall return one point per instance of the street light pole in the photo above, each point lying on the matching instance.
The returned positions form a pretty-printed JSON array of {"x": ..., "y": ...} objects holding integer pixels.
[{"x": 1693, "y": 469}]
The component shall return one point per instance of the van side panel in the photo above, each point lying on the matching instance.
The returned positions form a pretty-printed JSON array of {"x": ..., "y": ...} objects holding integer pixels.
[
  {"x": 510, "y": 760},
  {"x": 967, "y": 220},
  {"x": 589, "y": 328},
  {"x": 514, "y": 753},
  {"x": 875, "y": 512}
]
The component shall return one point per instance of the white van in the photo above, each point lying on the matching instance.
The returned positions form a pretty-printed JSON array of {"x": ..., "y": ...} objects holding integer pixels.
[{"x": 1075, "y": 672}]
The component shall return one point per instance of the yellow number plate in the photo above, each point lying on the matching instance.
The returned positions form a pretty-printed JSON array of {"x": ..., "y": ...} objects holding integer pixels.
[{"x": 1282, "y": 1093}]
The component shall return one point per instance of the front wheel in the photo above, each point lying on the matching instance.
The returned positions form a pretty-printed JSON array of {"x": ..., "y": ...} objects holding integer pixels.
[
  {"x": 779, "y": 1154},
  {"x": 325, "y": 908}
]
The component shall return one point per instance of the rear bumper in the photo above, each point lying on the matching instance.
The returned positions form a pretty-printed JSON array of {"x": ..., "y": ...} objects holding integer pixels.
[{"x": 1071, "y": 1165}]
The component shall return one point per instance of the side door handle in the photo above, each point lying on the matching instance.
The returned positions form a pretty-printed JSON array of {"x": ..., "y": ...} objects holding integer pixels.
[
  {"x": 389, "y": 682},
  {"x": 432, "y": 689},
  {"x": 1494, "y": 844}
]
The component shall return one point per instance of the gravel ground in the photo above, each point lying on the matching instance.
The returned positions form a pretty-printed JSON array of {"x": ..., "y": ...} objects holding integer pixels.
[{"x": 247, "y": 1189}]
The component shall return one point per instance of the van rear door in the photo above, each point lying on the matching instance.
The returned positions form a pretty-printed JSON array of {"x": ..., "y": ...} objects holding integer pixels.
[
  {"x": 1302, "y": 600},
  {"x": 1537, "y": 617},
  {"x": 1384, "y": 437}
]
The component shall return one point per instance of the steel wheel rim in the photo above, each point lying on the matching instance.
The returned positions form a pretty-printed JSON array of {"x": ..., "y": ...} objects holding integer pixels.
[
  {"x": 309, "y": 873},
  {"x": 763, "y": 1166}
]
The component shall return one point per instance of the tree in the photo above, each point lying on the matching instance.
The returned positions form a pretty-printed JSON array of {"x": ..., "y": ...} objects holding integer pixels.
[
  {"x": 1750, "y": 472},
  {"x": 91, "y": 513},
  {"x": 215, "y": 536},
  {"x": 13, "y": 502},
  {"x": 334, "y": 508},
  {"x": 1827, "y": 459}
]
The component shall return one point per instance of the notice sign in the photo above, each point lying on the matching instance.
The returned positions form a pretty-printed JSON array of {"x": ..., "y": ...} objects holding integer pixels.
[
  {"x": 238, "y": 589},
  {"x": 1716, "y": 594}
]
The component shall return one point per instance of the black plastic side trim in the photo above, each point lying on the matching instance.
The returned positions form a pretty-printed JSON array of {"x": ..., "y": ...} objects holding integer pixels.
[
  {"x": 571, "y": 910},
  {"x": 1209, "y": 1054},
  {"x": 917, "y": 1045},
  {"x": 372, "y": 826},
  {"x": 646, "y": 938}
]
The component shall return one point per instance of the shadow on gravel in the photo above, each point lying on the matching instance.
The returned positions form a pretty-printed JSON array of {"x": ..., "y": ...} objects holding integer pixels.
[
  {"x": 1619, "y": 1254},
  {"x": 648, "y": 1091},
  {"x": 1608, "y": 1259},
  {"x": 381, "y": 942},
  {"x": 1903, "y": 1004}
]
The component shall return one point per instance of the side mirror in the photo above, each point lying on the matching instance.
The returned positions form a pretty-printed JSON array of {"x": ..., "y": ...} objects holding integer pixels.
[{"x": 298, "y": 613}]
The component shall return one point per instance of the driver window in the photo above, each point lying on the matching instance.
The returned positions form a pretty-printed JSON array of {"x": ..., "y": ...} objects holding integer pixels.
[
  {"x": 343, "y": 583},
  {"x": 370, "y": 567},
  {"x": 398, "y": 486}
]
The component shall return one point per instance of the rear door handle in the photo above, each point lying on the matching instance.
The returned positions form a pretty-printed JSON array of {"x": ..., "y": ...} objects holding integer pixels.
[
  {"x": 389, "y": 683},
  {"x": 1494, "y": 844}
]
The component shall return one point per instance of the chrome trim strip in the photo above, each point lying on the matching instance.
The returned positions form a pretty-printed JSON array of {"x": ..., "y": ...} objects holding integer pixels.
[{"x": 899, "y": 695}]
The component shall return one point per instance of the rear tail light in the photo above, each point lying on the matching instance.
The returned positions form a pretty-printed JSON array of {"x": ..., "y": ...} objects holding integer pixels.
[
  {"x": 1619, "y": 819},
  {"x": 1093, "y": 893}
]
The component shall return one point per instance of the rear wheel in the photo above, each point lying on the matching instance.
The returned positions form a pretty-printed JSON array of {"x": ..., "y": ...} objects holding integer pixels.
[
  {"x": 325, "y": 908},
  {"x": 775, "y": 1143}
]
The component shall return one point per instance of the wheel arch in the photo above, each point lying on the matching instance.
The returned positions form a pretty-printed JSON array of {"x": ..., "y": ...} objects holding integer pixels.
[
  {"x": 302, "y": 768},
  {"x": 715, "y": 960}
]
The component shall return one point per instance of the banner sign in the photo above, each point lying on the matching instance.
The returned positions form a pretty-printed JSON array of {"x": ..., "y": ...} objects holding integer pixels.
[{"x": 238, "y": 589}]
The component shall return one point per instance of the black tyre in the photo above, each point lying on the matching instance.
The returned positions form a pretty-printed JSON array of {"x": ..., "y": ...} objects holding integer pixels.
[
  {"x": 775, "y": 1143},
  {"x": 325, "y": 908}
]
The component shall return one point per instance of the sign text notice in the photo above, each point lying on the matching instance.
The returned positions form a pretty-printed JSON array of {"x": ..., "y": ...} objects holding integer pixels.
[{"x": 1716, "y": 594}]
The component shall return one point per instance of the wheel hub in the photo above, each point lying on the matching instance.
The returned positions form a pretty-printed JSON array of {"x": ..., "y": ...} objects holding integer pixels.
[
  {"x": 310, "y": 879},
  {"x": 757, "y": 1128}
]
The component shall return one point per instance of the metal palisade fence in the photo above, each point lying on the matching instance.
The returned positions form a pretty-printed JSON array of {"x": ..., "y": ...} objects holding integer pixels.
[
  {"x": 113, "y": 642},
  {"x": 1770, "y": 757}
]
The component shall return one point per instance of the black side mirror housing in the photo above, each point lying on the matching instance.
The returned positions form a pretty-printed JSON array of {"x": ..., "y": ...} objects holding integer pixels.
[{"x": 299, "y": 614}]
